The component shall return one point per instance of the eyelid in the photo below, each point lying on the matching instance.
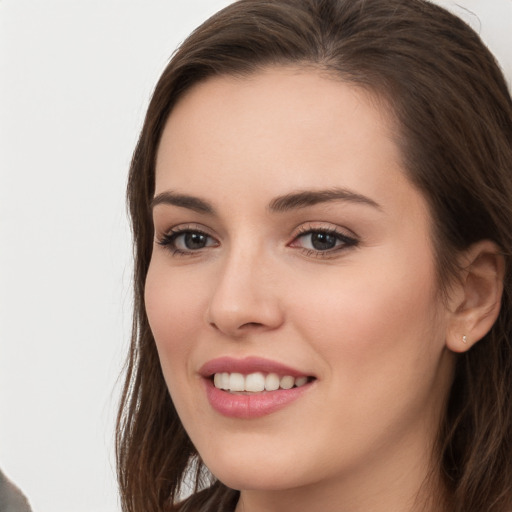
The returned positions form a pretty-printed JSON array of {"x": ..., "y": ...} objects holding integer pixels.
[
  {"x": 186, "y": 226},
  {"x": 167, "y": 238},
  {"x": 325, "y": 227},
  {"x": 347, "y": 237}
]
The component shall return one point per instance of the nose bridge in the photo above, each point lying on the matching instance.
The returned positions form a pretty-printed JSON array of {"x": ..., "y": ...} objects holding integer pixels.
[{"x": 244, "y": 297}]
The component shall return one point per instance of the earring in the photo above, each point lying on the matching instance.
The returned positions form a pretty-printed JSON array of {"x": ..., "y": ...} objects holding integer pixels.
[{"x": 464, "y": 339}]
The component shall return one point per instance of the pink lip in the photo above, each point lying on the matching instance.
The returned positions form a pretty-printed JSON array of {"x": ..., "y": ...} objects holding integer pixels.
[
  {"x": 246, "y": 366},
  {"x": 249, "y": 406}
]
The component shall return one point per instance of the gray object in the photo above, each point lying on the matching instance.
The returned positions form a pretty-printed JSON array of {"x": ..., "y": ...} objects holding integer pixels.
[{"x": 11, "y": 498}]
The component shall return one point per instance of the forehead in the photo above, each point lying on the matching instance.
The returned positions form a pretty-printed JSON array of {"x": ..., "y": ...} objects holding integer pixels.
[{"x": 286, "y": 126}]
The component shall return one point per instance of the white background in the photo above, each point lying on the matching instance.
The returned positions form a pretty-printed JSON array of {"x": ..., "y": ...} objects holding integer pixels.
[{"x": 75, "y": 79}]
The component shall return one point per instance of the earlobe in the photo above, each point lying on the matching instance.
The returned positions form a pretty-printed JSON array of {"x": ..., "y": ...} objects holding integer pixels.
[{"x": 476, "y": 298}]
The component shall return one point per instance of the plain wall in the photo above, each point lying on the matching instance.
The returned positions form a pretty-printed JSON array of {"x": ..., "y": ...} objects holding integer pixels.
[{"x": 75, "y": 79}]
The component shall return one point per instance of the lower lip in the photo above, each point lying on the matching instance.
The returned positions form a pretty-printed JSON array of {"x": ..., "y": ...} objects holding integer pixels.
[{"x": 253, "y": 405}]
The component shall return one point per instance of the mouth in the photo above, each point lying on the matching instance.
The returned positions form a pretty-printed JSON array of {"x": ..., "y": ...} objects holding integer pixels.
[
  {"x": 252, "y": 387},
  {"x": 257, "y": 382}
]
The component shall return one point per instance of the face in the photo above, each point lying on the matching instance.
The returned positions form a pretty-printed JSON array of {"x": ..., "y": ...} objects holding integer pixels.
[{"x": 292, "y": 287}]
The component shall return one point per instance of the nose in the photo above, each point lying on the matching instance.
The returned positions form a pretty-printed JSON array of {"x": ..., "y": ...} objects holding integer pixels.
[{"x": 245, "y": 297}]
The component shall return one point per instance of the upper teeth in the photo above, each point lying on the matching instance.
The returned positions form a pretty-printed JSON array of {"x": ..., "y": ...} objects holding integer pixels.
[{"x": 255, "y": 382}]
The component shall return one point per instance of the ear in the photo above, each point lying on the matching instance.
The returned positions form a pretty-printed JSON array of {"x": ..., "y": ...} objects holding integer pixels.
[{"x": 475, "y": 299}]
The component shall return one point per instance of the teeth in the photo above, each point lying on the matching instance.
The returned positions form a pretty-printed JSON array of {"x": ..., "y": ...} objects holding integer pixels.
[
  {"x": 256, "y": 382},
  {"x": 272, "y": 382},
  {"x": 236, "y": 382},
  {"x": 287, "y": 382},
  {"x": 301, "y": 381},
  {"x": 221, "y": 380}
]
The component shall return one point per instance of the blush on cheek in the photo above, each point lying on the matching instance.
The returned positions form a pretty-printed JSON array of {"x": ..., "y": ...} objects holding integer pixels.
[
  {"x": 367, "y": 317},
  {"x": 172, "y": 310}
]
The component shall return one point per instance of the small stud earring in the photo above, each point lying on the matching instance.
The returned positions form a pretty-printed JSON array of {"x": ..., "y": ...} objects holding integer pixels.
[{"x": 464, "y": 339}]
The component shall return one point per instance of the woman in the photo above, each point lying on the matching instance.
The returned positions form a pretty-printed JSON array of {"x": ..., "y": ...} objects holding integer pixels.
[{"x": 321, "y": 202}]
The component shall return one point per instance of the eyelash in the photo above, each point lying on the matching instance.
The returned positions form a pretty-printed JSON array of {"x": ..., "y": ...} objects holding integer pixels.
[
  {"x": 168, "y": 240},
  {"x": 346, "y": 241}
]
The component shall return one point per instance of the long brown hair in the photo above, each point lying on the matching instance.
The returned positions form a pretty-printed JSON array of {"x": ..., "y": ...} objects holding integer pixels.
[{"x": 455, "y": 116}]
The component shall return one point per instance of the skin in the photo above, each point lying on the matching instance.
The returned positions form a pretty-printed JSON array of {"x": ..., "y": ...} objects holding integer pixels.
[{"x": 365, "y": 319}]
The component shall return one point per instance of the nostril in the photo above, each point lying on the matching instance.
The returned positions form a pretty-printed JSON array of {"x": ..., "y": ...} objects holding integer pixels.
[
  {"x": 247, "y": 325},
  {"x": 250, "y": 324}
]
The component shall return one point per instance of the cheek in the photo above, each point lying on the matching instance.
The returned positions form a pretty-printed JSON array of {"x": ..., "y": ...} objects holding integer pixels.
[
  {"x": 368, "y": 318},
  {"x": 382, "y": 344},
  {"x": 173, "y": 307}
]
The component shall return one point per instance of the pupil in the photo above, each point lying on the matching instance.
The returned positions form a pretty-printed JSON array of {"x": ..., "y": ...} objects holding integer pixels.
[
  {"x": 323, "y": 241},
  {"x": 195, "y": 240}
]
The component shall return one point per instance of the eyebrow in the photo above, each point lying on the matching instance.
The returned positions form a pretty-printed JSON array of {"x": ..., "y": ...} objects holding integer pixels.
[
  {"x": 184, "y": 201},
  {"x": 307, "y": 198},
  {"x": 292, "y": 201}
]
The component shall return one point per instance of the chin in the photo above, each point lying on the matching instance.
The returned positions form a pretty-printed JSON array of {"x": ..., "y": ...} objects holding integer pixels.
[
  {"x": 247, "y": 473},
  {"x": 259, "y": 479}
]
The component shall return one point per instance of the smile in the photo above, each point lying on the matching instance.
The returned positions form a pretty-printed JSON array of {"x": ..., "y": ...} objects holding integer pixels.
[
  {"x": 252, "y": 387},
  {"x": 256, "y": 382}
]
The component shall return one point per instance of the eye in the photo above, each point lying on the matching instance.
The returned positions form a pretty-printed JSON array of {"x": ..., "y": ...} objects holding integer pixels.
[
  {"x": 186, "y": 241},
  {"x": 318, "y": 241}
]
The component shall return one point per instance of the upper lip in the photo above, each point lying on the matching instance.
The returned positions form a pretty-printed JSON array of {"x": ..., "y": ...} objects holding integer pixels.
[{"x": 248, "y": 365}]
